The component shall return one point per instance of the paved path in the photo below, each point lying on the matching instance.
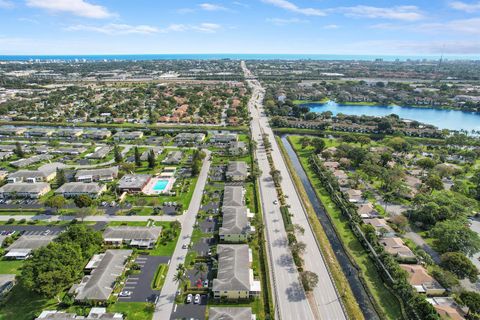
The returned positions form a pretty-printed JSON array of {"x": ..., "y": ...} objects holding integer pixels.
[
  {"x": 291, "y": 301},
  {"x": 166, "y": 300},
  {"x": 290, "y": 298}
]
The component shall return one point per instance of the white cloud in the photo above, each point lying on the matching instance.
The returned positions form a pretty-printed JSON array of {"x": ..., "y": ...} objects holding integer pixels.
[
  {"x": 282, "y": 22},
  {"x": 404, "y": 13},
  {"x": 466, "y": 26},
  {"x": 126, "y": 29},
  {"x": 6, "y": 4},
  {"x": 212, "y": 7},
  {"x": 287, "y": 5},
  {"x": 80, "y": 8},
  {"x": 331, "y": 26},
  {"x": 116, "y": 29},
  {"x": 241, "y": 4},
  {"x": 207, "y": 27},
  {"x": 467, "y": 7}
]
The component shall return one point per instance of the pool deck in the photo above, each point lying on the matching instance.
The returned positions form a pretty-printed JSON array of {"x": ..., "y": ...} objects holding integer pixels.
[{"x": 149, "y": 188}]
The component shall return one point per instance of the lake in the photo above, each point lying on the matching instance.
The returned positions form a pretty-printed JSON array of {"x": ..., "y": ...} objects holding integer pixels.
[{"x": 443, "y": 119}]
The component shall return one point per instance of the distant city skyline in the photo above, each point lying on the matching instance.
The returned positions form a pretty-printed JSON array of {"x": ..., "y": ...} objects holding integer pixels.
[{"x": 86, "y": 27}]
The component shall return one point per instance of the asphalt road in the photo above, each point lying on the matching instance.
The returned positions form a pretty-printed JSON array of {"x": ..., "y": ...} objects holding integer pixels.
[
  {"x": 291, "y": 300},
  {"x": 166, "y": 301}
]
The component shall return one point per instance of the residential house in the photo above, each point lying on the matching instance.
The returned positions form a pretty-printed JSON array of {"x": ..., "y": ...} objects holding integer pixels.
[
  {"x": 331, "y": 165},
  {"x": 231, "y": 313},
  {"x": 381, "y": 227},
  {"x": 103, "y": 175},
  {"x": 24, "y": 190},
  {"x": 354, "y": 196},
  {"x": 139, "y": 237},
  {"x": 127, "y": 135},
  {"x": 233, "y": 196},
  {"x": 366, "y": 210},
  {"x": 235, "y": 277},
  {"x": 156, "y": 150},
  {"x": 44, "y": 173},
  {"x": 237, "y": 171},
  {"x": 185, "y": 138},
  {"x": 5, "y": 155},
  {"x": 447, "y": 308},
  {"x": 395, "y": 247},
  {"x": 23, "y": 246},
  {"x": 11, "y": 131},
  {"x": 99, "y": 284},
  {"x": 75, "y": 189},
  {"x": 223, "y": 139},
  {"x": 25, "y": 162},
  {"x": 69, "y": 133},
  {"x": 100, "y": 152},
  {"x": 134, "y": 183},
  {"x": 94, "y": 314},
  {"x": 421, "y": 281},
  {"x": 39, "y": 132},
  {"x": 237, "y": 148},
  {"x": 173, "y": 157},
  {"x": 97, "y": 134},
  {"x": 235, "y": 225}
]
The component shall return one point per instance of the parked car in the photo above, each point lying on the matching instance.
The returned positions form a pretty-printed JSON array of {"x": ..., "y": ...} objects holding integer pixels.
[
  {"x": 125, "y": 293},
  {"x": 189, "y": 298},
  {"x": 205, "y": 283},
  {"x": 275, "y": 201},
  {"x": 197, "y": 299},
  {"x": 184, "y": 246}
]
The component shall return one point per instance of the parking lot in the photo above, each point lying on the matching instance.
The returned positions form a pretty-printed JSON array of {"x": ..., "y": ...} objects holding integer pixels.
[
  {"x": 190, "y": 310},
  {"x": 140, "y": 285},
  {"x": 33, "y": 230}
]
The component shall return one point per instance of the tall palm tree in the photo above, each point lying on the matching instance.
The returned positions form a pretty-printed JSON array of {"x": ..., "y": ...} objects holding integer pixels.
[{"x": 179, "y": 277}]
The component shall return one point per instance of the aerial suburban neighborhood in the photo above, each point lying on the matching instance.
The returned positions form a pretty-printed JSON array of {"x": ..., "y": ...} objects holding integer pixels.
[{"x": 238, "y": 186}]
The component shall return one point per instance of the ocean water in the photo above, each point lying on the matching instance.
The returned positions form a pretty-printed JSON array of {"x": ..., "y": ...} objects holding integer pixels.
[{"x": 232, "y": 56}]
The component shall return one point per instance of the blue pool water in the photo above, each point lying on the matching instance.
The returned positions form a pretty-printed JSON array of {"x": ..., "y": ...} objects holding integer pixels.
[
  {"x": 160, "y": 185},
  {"x": 443, "y": 119}
]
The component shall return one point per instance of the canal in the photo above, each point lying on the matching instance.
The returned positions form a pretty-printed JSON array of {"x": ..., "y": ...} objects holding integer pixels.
[{"x": 348, "y": 268}]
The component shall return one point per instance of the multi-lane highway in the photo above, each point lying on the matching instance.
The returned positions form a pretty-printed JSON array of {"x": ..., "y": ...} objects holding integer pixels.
[{"x": 290, "y": 299}]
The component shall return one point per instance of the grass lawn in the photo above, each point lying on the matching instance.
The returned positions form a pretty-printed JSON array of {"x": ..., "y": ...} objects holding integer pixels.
[
  {"x": 168, "y": 248},
  {"x": 127, "y": 223},
  {"x": 10, "y": 266},
  {"x": 133, "y": 310},
  {"x": 384, "y": 298},
  {"x": 159, "y": 278},
  {"x": 24, "y": 305}
]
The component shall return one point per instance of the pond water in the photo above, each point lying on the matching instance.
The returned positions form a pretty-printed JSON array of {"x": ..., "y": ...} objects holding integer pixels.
[{"x": 443, "y": 119}]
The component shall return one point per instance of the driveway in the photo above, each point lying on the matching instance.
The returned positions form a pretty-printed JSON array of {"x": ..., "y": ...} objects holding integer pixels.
[
  {"x": 141, "y": 284},
  {"x": 415, "y": 237}
]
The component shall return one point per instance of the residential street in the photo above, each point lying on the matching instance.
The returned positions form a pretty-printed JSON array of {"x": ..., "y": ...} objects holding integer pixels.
[
  {"x": 166, "y": 300},
  {"x": 291, "y": 302}
]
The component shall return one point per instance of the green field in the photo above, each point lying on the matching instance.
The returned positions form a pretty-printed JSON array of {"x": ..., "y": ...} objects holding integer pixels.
[{"x": 10, "y": 266}]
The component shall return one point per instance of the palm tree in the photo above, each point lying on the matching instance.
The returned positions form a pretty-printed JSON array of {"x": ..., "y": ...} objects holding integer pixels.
[
  {"x": 179, "y": 277},
  {"x": 201, "y": 268}
]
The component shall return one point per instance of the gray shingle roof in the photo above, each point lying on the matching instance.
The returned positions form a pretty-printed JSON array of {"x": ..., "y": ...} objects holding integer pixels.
[
  {"x": 133, "y": 181},
  {"x": 132, "y": 233},
  {"x": 31, "y": 242},
  {"x": 233, "y": 271},
  {"x": 232, "y": 196},
  {"x": 230, "y": 313},
  {"x": 236, "y": 168},
  {"x": 235, "y": 220},
  {"x": 24, "y": 187},
  {"x": 103, "y": 172},
  {"x": 79, "y": 187},
  {"x": 99, "y": 285}
]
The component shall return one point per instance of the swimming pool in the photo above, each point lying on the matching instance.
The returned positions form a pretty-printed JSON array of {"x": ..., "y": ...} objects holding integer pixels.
[{"x": 160, "y": 185}]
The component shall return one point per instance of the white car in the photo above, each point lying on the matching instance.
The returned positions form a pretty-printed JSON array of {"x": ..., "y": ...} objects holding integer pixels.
[
  {"x": 184, "y": 246},
  {"x": 275, "y": 201},
  {"x": 189, "y": 298},
  {"x": 197, "y": 299},
  {"x": 125, "y": 293}
]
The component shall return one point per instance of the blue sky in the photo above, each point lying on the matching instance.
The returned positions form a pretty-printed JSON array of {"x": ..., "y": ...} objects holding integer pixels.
[{"x": 254, "y": 26}]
